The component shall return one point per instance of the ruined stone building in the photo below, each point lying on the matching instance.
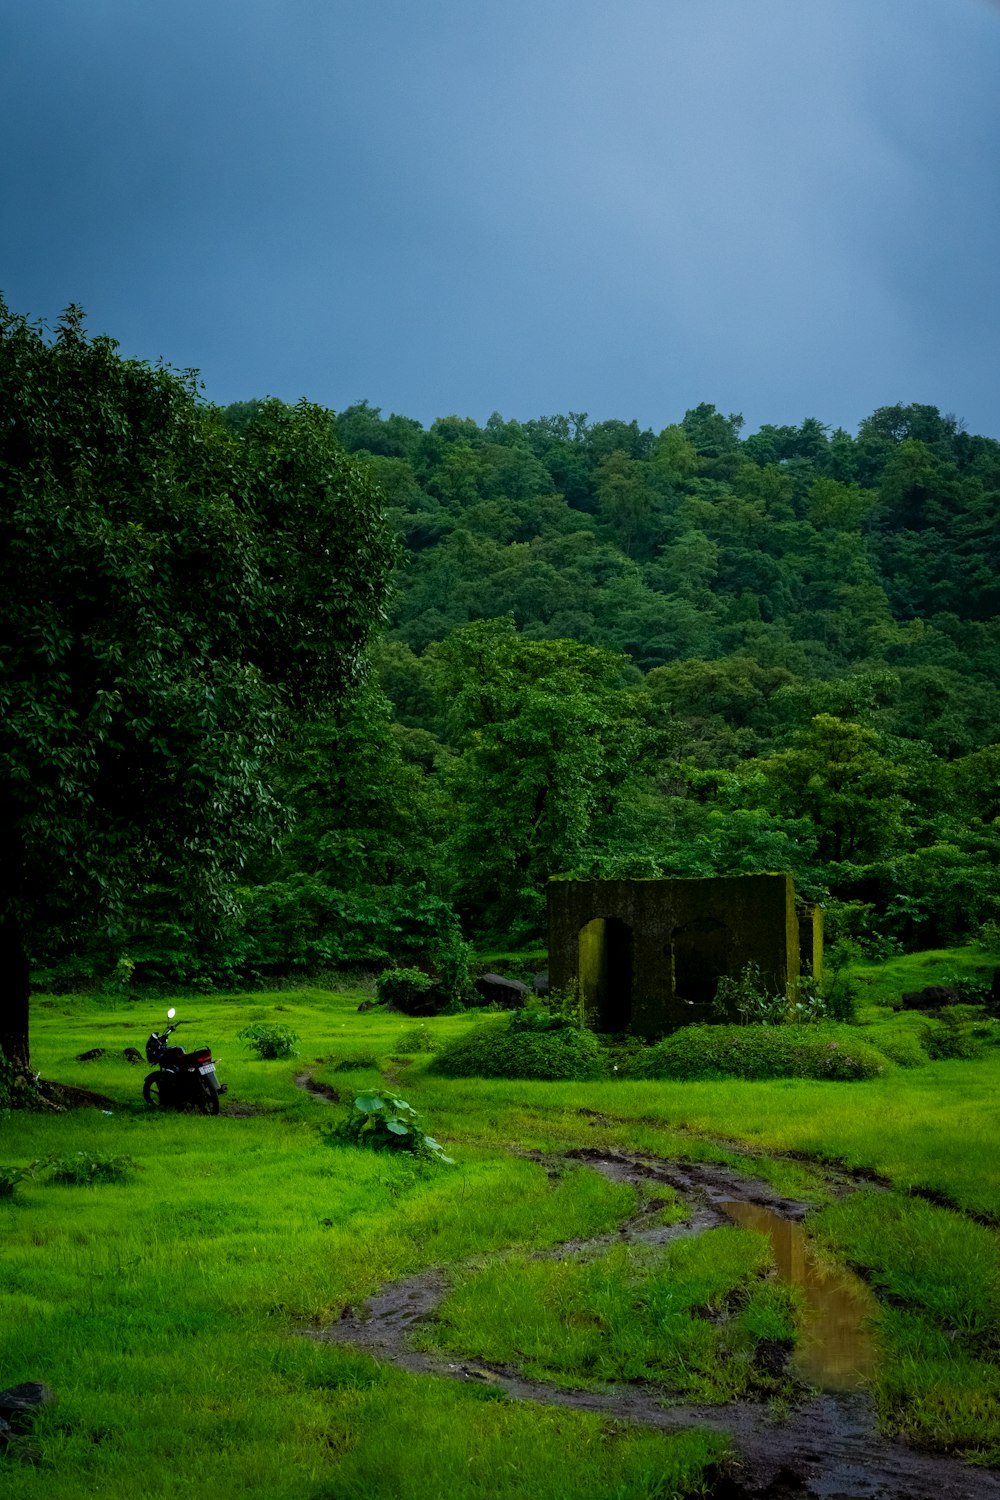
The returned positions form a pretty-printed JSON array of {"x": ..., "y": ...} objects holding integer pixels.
[{"x": 648, "y": 954}]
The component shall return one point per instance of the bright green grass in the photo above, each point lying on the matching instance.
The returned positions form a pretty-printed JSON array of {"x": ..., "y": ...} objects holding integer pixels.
[
  {"x": 162, "y": 1310},
  {"x": 885, "y": 983},
  {"x": 938, "y": 1379},
  {"x": 688, "y": 1315}
]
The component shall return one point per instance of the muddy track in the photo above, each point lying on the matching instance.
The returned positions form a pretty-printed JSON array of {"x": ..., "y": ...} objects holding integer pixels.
[{"x": 827, "y": 1446}]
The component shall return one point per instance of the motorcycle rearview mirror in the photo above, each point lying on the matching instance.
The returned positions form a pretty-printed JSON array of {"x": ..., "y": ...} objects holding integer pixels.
[{"x": 171, "y": 1013}]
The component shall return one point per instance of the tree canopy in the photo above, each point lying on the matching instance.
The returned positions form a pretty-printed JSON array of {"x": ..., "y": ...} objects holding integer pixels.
[{"x": 171, "y": 592}]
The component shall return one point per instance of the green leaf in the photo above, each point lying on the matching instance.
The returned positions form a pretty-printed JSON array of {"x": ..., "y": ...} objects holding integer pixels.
[
  {"x": 397, "y": 1127},
  {"x": 368, "y": 1103}
]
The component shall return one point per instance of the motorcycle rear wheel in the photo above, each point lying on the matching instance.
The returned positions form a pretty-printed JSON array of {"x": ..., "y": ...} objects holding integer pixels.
[{"x": 209, "y": 1101}]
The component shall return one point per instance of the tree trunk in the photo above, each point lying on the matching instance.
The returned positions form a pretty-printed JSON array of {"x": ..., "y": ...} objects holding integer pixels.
[{"x": 15, "y": 974}]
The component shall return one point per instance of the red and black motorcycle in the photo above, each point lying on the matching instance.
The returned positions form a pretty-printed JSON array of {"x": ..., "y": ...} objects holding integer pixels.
[{"x": 181, "y": 1078}]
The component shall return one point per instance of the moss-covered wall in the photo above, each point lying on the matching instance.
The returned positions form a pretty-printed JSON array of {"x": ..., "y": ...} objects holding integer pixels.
[
  {"x": 647, "y": 954},
  {"x": 810, "y": 940}
]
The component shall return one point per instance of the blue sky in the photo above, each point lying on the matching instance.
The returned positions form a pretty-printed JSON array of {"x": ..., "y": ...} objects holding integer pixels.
[{"x": 459, "y": 206}]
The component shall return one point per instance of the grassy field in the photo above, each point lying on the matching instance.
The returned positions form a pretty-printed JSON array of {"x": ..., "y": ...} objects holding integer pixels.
[{"x": 163, "y": 1309}]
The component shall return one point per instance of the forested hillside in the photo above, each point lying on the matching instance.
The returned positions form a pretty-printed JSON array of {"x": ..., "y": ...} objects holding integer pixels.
[
  {"x": 787, "y": 655},
  {"x": 617, "y": 652}
]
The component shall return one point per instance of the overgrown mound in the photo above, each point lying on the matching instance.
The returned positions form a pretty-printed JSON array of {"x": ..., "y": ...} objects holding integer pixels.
[
  {"x": 836, "y": 1052},
  {"x": 528, "y": 1044},
  {"x": 901, "y": 1046}
]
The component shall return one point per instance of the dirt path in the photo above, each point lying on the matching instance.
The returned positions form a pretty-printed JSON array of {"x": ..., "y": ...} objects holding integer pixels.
[{"x": 827, "y": 1447}]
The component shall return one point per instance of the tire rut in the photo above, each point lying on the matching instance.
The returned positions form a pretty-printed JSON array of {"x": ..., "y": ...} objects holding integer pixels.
[{"x": 827, "y": 1446}]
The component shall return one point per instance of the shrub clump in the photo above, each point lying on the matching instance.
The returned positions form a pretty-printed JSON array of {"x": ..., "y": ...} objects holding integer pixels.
[
  {"x": 11, "y": 1176},
  {"x": 417, "y": 1039},
  {"x": 384, "y": 1122},
  {"x": 409, "y": 990},
  {"x": 763, "y": 1052},
  {"x": 961, "y": 1032},
  {"x": 528, "y": 1044},
  {"x": 84, "y": 1169},
  {"x": 269, "y": 1039}
]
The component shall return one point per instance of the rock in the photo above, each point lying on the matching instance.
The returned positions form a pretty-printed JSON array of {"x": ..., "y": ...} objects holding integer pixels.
[
  {"x": 20, "y": 1402},
  {"x": 540, "y": 983},
  {"x": 91, "y": 1056},
  {"x": 932, "y": 997},
  {"x": 367, "y": 1005},
  {"x": 132, "y": 1055},
  {"x": 495, "y": 989}
]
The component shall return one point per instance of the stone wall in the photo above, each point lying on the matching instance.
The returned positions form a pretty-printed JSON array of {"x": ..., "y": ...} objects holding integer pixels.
[{"x": 648, "y": 954}]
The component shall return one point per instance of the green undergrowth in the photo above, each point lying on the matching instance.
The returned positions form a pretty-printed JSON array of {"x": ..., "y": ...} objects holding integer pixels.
[
  {"x": 527, "y": 1044},
  {"x": 826, "y": 1052},
  {"x": 167, "y": 1309},
  {"x": 688, "y": 1316},
  {"x": 885, "y": 983}
]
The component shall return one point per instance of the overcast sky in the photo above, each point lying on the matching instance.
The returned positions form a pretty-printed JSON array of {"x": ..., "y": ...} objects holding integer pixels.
[{"x": 789, "y": 208}]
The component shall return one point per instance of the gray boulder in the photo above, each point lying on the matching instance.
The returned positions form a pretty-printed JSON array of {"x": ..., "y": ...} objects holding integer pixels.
[
  {"x": 18, "y": 1404},
  {"x": 932, "y": 997},
  {"x": 21, "y": 1402},
  {"x": 496, "y": 989}
]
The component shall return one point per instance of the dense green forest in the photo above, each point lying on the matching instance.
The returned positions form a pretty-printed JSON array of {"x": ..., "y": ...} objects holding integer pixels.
[
  {"x": 607, "y": 651},
  {"x": 616, "y": 652}
]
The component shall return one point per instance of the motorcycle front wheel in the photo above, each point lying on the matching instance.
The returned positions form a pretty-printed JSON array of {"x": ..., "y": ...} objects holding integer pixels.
[
  {"x": 209, "y": 1101},
  {"x": 151, "y": 1090}
]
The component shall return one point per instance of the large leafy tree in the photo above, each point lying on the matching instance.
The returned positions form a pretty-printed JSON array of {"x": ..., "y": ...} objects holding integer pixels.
[
  {"x": 549, "y": 742},
  {"x": 837, "y": 774},
  {"x": 172, "y": 593}
]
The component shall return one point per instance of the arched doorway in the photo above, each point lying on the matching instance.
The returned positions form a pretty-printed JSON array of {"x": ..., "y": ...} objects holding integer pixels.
[
  {"x": 700, "y": 954},
  {"x": 605, "y": 970}
]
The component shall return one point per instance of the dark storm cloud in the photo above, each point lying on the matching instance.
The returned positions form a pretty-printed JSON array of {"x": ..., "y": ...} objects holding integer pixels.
[{"x": 789, "y": 210}]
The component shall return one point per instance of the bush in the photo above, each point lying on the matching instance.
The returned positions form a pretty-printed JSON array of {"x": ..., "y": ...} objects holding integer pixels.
[
  {"x": 763, "y": 1052},
  {"x": 528, "y": 1044},
  {"x": 11, "y": 1176},
  {"x": 18, "y": 1089},
  {"x": 82, "y": 1169},
  {"x": 408, "y": 990},
  {"x": 269, "y": 1039},
  {"x": 746, "y": 996},
  {"x": 623, "y": 1052},
  {"x": 384, "y": 1122},
  {"x": 417, "y": 1039},
  {"x": 961, "y": 1032},
  {"x": 969, "y": 988}
]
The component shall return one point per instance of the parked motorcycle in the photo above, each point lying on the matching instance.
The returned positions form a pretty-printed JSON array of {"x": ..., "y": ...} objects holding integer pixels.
[{"x": 181, "y": 1077}]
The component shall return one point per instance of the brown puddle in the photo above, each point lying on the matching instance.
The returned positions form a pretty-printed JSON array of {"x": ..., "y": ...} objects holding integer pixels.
[{"x": 835, "y": 1351}]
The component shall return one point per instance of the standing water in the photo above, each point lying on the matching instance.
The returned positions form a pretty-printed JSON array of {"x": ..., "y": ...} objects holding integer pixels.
[{"x": 835, "y": 1350}]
